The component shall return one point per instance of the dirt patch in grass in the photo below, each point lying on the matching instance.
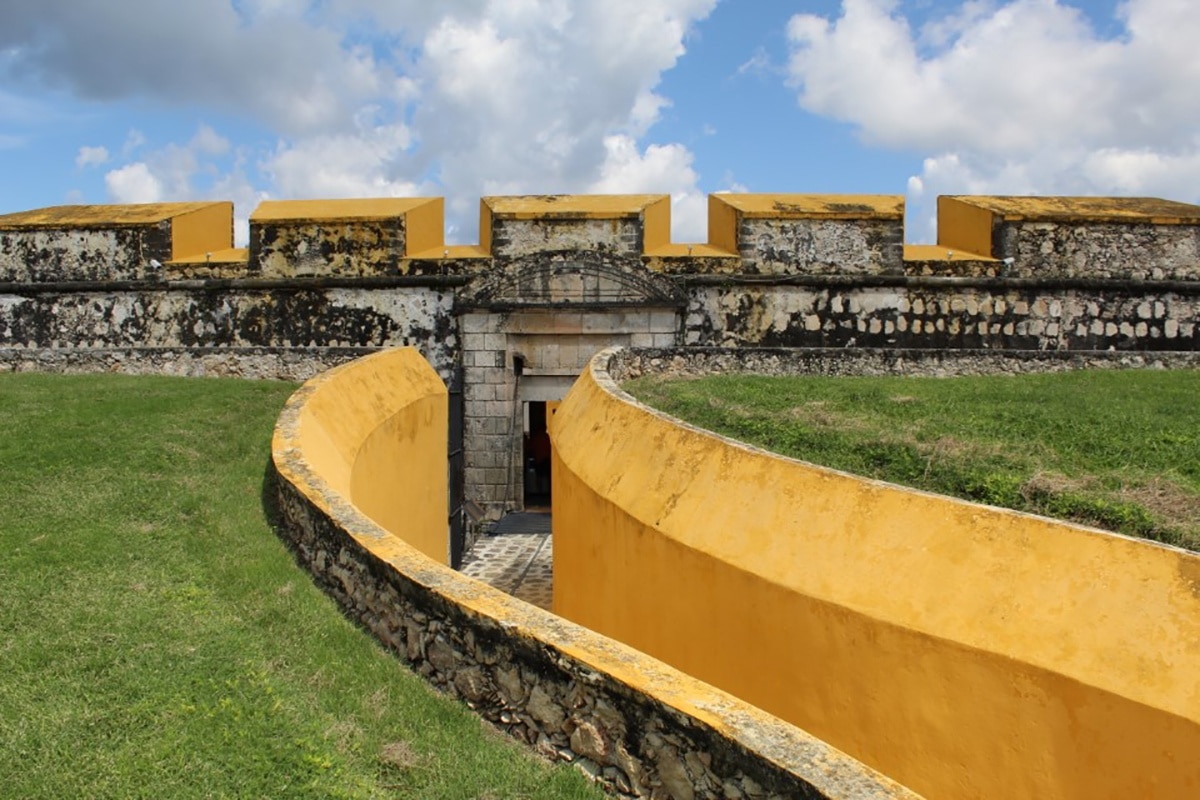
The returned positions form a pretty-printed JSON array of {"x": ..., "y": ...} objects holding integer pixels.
[
  {"x": 1171, "y": 503},
  {"x": 400, "y": 755}
]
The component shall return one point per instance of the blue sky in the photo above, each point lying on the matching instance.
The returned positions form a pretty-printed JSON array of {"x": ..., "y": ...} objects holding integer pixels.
[{"x": 131, "y": 101}]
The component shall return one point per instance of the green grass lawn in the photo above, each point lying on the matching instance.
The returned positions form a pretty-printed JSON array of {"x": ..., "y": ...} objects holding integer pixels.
[
  {"x": 157, "y": 639},
  {"x": 1114, "y": 449}
]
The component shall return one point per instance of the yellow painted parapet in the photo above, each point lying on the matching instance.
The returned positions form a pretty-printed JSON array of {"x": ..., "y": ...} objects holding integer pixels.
[
  {"x": 371, "y": 430},
  {"x": 782, "y": 235},
  {"x": 360, "y": 458},
  {"x": 962, "y": 650},
  {"x": 110, "y": 242},
  {"x": 726, "y": 211}
]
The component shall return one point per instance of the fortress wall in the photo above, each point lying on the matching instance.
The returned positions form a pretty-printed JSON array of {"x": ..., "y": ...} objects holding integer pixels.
[
  {"x": 627, "y": 364},
  {"x": 556, "y": 278},
  {"x": 1137, "y": 251},
  {"x": 962, "y": 650},
  {"x": 635, "y": 724}
]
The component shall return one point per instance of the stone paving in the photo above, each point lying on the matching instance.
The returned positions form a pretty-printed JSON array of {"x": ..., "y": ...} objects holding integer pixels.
[{"x": 519, "y": 564}]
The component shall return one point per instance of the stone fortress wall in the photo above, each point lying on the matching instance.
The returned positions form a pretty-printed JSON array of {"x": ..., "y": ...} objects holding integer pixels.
[{"x": 555, "y": 279}]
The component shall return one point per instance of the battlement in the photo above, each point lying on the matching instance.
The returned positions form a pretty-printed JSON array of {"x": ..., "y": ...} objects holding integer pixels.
[{"x": 750, "y": 234}]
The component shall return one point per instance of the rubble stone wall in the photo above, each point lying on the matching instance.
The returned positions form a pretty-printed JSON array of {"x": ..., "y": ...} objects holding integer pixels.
[
  {"x": 629, "y": 363},
  {"x": 513, "y": 238},
  {"x": 821, "y": 247},
  {"x": 1139, "y": 251},
  {"x": 84, "y": 254},
  {"x": 229, "y": 316},
  {"x": 996, "y": 313}
]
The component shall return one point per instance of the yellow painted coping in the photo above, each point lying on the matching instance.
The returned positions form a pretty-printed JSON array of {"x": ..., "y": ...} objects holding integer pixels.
[
  {"x": 453, "y": 251},
  {"x": 960, "y": 649},
  {"x": 698, "y": 250},
  {"x": 313, "y": 450},
  {"x": 814, "y": 206},
  {"x": 230, "y": 255},
  {"x": 1085, "y": 209},
  {"x": 102, "y": 216},
  {"x": 937, "y": 252},
  {"x": 572, "y": 206},
  {"x": 349, "y": 210}
]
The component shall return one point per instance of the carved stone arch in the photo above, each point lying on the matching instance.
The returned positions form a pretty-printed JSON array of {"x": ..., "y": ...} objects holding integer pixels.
[{"x": 573, "y": 278}]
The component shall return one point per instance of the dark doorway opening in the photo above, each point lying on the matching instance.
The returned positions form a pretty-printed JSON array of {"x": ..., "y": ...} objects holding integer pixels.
[{"x": 536, "y": 457}]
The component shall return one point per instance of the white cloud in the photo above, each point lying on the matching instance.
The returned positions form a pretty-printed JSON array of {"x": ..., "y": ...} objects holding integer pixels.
[
  {"x": 378, "y": 97},
  {"x": 363, "y": 164},
  {"x": 209, "y": 142},
  {"x": 134, "y": 140},
  {"x": 91, "y": 156},
  {"x": 660, "y": 169},
  {"x": 1014, "y": 97},
  {"x": 133, "y": 183}
]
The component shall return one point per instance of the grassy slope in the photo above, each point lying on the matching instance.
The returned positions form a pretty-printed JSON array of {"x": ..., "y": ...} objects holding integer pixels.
[
  {"x": 157, "y": 640},
  {"x": 1117, "y": 449}
]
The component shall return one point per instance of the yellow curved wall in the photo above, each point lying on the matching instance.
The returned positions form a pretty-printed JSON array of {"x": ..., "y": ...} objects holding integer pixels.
[
  {"x": 376, "y": 430},
  {"x": 360, "y": 456},
  {"x": 962, "y": 650}
]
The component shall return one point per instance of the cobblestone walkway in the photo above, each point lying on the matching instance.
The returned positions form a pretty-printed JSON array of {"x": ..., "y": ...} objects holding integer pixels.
[{"x": 517, "y": 563}]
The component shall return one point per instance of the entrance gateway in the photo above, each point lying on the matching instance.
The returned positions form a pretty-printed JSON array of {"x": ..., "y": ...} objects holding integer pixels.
[{"x": 522, "y": 353}]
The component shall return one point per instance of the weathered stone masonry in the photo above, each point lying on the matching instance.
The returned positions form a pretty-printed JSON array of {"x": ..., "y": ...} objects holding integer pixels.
[{"x": 555, "y": 279}]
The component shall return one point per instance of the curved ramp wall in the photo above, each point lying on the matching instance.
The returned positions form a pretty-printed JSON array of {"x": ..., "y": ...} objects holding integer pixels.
[
  {"x": 376, "y": 432},
  {"x": 360, "y": 460},
  {"x": 962, "y": 650}
]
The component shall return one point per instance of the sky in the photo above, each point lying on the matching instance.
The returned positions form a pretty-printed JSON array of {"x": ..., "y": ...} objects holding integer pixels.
[{"x": 143, "y": 101}]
